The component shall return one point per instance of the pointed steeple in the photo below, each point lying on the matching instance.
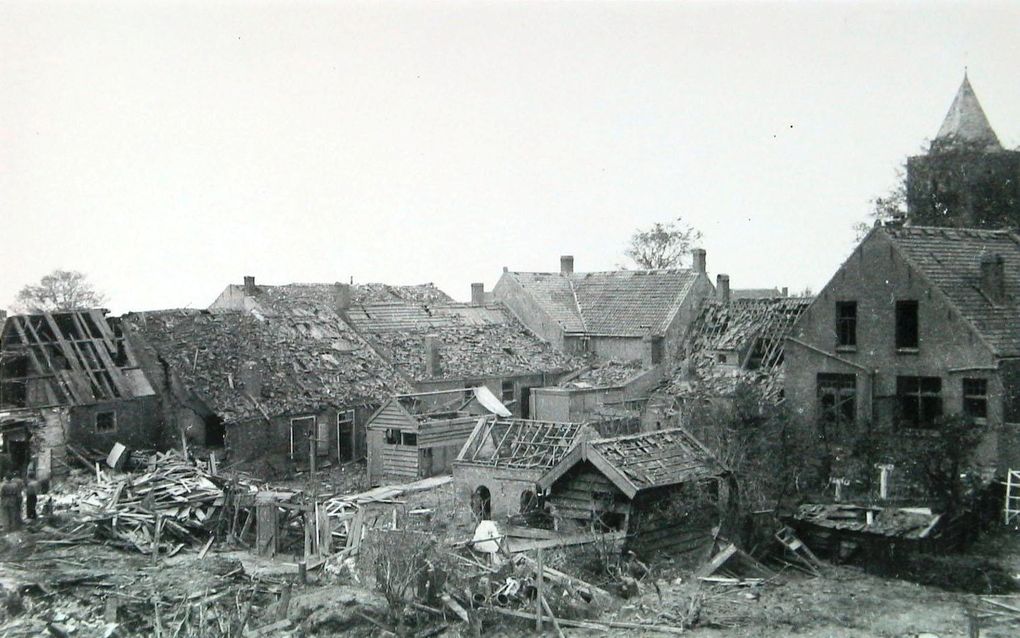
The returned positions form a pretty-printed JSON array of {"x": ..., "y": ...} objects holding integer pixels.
[{"x": 966, "y": 122}]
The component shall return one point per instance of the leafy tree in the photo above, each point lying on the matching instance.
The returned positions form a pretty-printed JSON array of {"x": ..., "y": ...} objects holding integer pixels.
[
  {"x": 59, "y": 290},
  {"x": 886, "y": 207},
  {"x": 662, "y": 245}
]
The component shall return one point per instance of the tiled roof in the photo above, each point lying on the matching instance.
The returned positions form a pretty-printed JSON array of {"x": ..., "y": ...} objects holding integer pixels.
[
  {"x": 306, "y": 361},
  {"x": 950, "y": 258},
  {"x": 966, "y": 122},
  {"x": 472, "y": 340},
  {"x": 626, "y": 303},
  {"x": 654, "y": 459}
]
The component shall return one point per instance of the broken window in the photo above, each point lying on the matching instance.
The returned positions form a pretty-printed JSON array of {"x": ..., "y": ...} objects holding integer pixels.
[
  {"x": 919, "y": 400},
  {"x": 393, "y": 437},
  {"x": 106, "y": 421},
  {"x": 906, "y": 325},
  {"x": 837, "y": 403},
  {"x": 975, "y": 399},
  {"x": 846, "y": 324}
]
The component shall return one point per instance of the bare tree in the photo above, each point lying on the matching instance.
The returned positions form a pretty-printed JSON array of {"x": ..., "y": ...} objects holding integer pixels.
[
  {"x": 59, "y": 290},
  {"x": 662, "y": 245}
]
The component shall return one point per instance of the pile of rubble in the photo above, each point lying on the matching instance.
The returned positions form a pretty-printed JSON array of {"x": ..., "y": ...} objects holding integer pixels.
[{"x": 173, "y": 503}]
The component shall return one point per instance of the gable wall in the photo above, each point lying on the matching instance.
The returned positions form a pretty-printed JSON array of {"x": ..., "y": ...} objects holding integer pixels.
[{"x": 530, "y": 313}]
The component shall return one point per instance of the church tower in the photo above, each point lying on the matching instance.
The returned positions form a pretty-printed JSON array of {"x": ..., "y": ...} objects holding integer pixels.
[{"x": 966, "y": 179}]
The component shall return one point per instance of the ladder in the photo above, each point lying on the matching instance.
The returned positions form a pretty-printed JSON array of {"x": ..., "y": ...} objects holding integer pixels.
[
  {"x": 790, "y": 541},
  {"x": 1012, "y": 505}
]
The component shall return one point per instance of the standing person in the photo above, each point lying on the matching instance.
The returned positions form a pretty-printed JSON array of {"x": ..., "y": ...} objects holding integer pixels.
[
  {"x": 7, "y": 500},
  {"x": 18, "y": 490},
  {"x": 31, "y": 497}
]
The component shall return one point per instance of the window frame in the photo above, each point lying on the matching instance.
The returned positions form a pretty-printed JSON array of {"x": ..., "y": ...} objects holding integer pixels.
[
  {"x": 912, "y": 388},
  {"x": 970, "y": 395},
  {"x": 503, "y": 390},
  {"x": 903, "y": 328},
  {"x": 846, "y": 325},
  {"x": 315, "y": 424},
  {"x": 842, "y": 388},
  {"x": 343, "y": 416}
]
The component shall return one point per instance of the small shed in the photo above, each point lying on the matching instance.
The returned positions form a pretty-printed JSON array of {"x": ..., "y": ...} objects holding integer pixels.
[
  {"x": 414, "y": 436},
  {"x": 662, "y": 488}
]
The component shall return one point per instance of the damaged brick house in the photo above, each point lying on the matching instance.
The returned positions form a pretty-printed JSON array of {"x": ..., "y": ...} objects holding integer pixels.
[
  {"x": 267, "y": 389},
  {"x": 71, "y": 378},
  {"x": 624, "y": 315},
  {"x": 432, "y": 342},
  {"x": 918, "y": 323},
  {"x": 733, "y": 342}
]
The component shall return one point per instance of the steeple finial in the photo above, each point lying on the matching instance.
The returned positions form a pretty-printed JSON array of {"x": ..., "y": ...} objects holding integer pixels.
[{"x": 966, "y": 122}]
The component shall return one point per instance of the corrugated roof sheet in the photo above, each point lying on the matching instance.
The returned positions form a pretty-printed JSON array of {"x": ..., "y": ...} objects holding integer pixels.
[
  {"x": 626, "y": 303},
  {"x": 950, "y": 258}
]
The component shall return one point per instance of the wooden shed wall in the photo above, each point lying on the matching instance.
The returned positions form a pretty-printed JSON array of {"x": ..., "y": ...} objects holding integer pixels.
[{"x": 575, "y": 498}]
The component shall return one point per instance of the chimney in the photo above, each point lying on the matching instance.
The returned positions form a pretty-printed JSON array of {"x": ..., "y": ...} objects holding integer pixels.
[
  {"x": 786, "y": 291},
  {"x": 249, "y": 286},
  {"x": 722, "y": 288},
  {"x": 993, "y": 277},
  {"x": 342, "y": 297},
  {"x": 698, "y": 255},
  {"x": 651, "y": 350},
  {"x": 566, "y": 264},
  {"x": 433, "y": 365},
  {"x": 477, "y": 294}
]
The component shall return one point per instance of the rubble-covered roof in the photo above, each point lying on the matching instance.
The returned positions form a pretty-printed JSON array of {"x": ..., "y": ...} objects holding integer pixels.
[
  {"x": 951, "y": 259},
  {"x": 906, "y": 523},
  {"x": 75, "y": 357},
  {"x": 609, "y": 374},
  {"x": 654, "y": 459},
  {"x": 520, "y": 443},
  {"x": 473, "y": 341},
  {"x": 755, "y": 293},
  {"x": 243, "y": 366},
  {"x": 637, "y": 462},
  {"x": 966, "y": 121},
  {"x": 753, "y": 329},
  {"x": 626, "y": 303}
]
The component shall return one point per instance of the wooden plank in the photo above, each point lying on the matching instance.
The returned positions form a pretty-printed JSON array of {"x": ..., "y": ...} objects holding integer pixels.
[{"x": 519, "y": 546}]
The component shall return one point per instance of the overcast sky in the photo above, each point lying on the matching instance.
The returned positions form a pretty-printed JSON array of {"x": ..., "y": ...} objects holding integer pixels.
[{"x": 167, "y": 149}]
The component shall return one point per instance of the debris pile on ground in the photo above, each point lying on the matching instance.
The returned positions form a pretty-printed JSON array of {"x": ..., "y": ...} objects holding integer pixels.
[{"x": 171, "y": 504}]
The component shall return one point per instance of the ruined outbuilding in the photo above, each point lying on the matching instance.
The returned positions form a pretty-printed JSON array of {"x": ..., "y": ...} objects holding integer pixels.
[
  {"x": 268, "y": 390},
  {"x": 661, "y": 488},
  {"x": 71, "y": 378},
  {"x": 415, "y": 436},
  {"x": 602, "y": 392},
  {"x": 609, "y": 314}
]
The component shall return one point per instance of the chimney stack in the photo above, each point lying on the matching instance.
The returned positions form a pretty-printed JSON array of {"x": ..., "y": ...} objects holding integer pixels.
[
  {"x": 786, "y": 291},
  {"x": 342, "y": 297},
  {"x": 433, "y": 365},
  {"x": 993, "y": 277},
  {"x": 477, "y": 294},
  {"x": 566, "y": 264},
  {"x": 722, "y": 288},
  {"x": 699, "y": 259},
  {"x": 249, "y": 286}
]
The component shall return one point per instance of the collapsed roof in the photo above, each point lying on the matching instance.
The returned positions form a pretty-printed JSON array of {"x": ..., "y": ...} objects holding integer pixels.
[
  {"x": 520, "y": 443},
  {"x": 244, "y": 366},
  {"x": 750, "y": 331},
  {"x": 67, "y": 358}
]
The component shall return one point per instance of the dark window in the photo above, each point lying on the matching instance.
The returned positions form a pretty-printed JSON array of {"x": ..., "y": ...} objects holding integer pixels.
[
  {"x": 906, "y": 324},
  {"x": 846, "y": 324},
  {"x": 837, "y": 403},
  {"x": 919, "y": 400},
  {"x": 410, "y": 438},
  {"x": 393, "y": 437},
  {"x": 975, "y": 398},
  {"x": 508, "y": 392},
  {"x": 106, "y": 421}
]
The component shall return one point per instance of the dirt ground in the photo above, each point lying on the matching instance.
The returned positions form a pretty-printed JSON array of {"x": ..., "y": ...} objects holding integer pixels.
[{"x": 85, "y": 589}]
